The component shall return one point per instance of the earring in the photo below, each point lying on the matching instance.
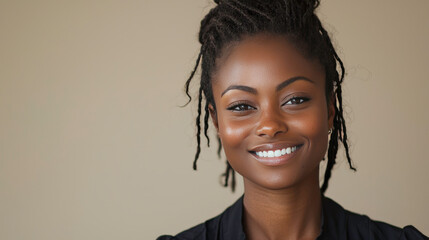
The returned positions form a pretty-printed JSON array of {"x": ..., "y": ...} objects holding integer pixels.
[{"x": 330, "y": 131}]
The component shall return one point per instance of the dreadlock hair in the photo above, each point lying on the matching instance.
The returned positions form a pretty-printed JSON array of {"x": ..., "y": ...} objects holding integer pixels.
[{"x": 232, "y": 20}]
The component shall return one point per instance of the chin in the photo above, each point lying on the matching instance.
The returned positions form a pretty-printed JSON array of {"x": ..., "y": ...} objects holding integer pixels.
[
  {"x": 281, "y": 183},
  {"x": 273, "y": 180}
]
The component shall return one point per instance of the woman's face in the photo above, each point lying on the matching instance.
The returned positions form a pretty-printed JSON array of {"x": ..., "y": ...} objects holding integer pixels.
[{"x": 271, "y": 111}]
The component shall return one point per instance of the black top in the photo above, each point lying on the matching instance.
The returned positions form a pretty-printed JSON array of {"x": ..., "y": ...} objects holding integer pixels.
[{"x": 337, "y": 223}]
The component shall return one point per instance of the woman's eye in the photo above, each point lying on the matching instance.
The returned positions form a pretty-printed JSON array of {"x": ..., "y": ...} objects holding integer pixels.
[
  {"x": 296, "y": 101},
  {"x": 240, "y": 107}
]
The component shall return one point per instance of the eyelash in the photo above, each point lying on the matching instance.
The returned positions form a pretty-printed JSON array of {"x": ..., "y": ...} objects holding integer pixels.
[
  {"x": 239, "y": 106},
  {"x": 300, "y": 99}
]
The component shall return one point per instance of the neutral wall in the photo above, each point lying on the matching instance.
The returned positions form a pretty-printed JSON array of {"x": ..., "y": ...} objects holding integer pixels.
[{"x": 93, "y": 144}]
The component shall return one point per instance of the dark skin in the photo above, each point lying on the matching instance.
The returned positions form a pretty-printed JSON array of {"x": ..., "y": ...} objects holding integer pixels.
[{"x": 269, "y": 97}]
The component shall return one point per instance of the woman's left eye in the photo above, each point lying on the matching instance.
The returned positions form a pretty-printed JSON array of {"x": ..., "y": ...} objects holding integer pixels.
[{"x": 296, "y": 101}]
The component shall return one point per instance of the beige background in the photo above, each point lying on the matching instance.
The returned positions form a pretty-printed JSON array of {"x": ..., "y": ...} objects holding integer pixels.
[{"x": 93, "y": 144}]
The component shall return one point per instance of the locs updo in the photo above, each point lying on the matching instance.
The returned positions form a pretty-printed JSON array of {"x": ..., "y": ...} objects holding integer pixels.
[{"x": 231, "y": 20}]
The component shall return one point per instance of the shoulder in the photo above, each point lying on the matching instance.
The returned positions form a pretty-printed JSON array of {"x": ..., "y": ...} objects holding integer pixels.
[
  {"x": 202, "y": 231},
  {"x": 381, "y": 230},
  {"x": 351, "y": 225},
  {"x": 226, "y": 225}
]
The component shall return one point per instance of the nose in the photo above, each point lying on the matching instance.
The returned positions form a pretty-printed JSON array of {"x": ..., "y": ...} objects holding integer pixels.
[{"x": 271, "y": 123}]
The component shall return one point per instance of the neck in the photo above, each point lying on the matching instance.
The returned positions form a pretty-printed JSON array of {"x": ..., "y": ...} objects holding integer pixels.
[{"x": 292, "y": 213}]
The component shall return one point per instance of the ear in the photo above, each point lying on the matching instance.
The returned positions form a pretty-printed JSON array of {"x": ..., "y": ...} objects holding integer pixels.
[
  {"x": 331, "y": 110},
  {"x": 213, "y": 115}
]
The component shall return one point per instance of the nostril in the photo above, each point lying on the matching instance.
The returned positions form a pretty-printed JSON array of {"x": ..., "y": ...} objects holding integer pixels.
[
  {"x": 271, "y": 123},
  {"x": 271, "y": 130}
]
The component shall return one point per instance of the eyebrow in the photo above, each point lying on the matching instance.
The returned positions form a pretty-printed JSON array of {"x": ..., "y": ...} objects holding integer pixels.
[
  {"x": 254, "y": 91},
  {"x": 291, "y": 80}
]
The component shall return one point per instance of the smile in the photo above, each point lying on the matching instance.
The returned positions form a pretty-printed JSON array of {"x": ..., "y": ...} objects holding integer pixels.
[{"x": 276, "y": 153}]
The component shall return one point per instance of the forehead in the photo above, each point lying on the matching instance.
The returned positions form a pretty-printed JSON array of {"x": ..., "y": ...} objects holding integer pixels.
[{"x": 264, "y": 58}]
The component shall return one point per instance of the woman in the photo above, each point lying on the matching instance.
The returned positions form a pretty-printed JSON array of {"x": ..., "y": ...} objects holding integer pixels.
[{"x": 273, "y": 92}]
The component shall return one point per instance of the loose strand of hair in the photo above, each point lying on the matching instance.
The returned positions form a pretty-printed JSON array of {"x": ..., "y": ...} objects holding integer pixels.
[
  {"x": 206, "y": 122},
  {"x": 229, "y": 172},
  {"x": 332, "y": 153},
  {"x": 344, "y": 130},
  {"x": 343, "y": 136},
  {"x": 187, "y": 84},
  {"x": 219, "y": 147},
  {"x": 198, "y": 124},
  {"x": 233, "y": 182},
  {"x": 226, "y": 174}
]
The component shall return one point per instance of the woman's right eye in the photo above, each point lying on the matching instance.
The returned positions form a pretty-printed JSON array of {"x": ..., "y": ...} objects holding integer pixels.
[{"x": 240, "y": 107}]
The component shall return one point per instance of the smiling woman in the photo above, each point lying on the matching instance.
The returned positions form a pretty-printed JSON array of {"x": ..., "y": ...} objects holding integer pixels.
[
  {"x": 271, "y": 80},
  {"x": 260, "y": 114}
]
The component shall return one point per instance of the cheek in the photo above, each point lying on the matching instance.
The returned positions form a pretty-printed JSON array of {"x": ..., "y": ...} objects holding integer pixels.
[
  {"x": 310, "y": 124},
  {"x": 313, "y": 125},
  {"x": 232, "y": 133},
  {"x": 234, "y": 136}
]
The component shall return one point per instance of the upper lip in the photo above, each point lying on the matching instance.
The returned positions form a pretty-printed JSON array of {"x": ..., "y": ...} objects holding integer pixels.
[{"x": 273, "y": 146}]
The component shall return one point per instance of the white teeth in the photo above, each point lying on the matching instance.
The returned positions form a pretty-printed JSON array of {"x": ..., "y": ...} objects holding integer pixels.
[{"x": 276, "y": 153}]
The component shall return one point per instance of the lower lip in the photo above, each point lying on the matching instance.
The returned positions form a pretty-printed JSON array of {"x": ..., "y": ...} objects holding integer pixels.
[{"x": 276, "y": 161}]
